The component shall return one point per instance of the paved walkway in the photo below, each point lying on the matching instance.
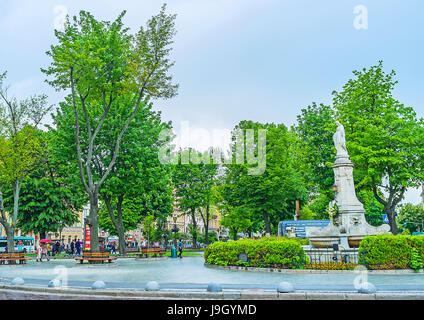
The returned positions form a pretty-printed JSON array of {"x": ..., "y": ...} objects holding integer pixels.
[{"x": 190, "y": 273}]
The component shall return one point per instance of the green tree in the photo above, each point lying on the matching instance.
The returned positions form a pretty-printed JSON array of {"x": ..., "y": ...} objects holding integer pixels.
[
  {"x": 193, "y": 178},
  {"x": 137, "y": 177},
  {"x": 106, "y": 68},
  {"x": 384, "y": 138},
  {"x": 270, "y": 197},
  {"x": 149, "y": 228},
  {"x": 315, "y": 129},
  {"x": 237, "y": 220},
  {"x": 50, "y": 198},
  {"x": 19, "y": 148},
  {"x": 411, "y": 217}
]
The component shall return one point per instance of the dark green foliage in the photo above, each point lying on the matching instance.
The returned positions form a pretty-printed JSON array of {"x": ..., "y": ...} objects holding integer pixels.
[
  {"x": 265, "y": 199},
  {"x": 411, "y": 217},
  {"x": 212, "y": 237},
  {"x": 51, "y": 195},
  {"x": 270, "y": 252},
  {"x": 391, "y": 252},
  {"x": 315, "y": 129}
]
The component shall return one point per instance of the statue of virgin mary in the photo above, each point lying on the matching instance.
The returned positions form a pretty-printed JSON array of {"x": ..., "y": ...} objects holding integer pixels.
[{"x": 340, "y": 141}]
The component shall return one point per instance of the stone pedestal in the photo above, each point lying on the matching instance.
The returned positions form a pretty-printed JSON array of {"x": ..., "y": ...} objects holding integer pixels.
[{"x": 349, "y": 226}]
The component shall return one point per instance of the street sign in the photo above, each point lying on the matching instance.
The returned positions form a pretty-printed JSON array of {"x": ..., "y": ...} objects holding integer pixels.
[{"x": 385, "y": 218}]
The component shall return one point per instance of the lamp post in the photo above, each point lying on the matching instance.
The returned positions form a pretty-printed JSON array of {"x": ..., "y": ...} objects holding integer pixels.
[{"x": 139, "y": 237}]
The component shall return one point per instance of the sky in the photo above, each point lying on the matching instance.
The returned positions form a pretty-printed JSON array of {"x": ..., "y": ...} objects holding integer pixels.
[{"x": 240, "y": 59}]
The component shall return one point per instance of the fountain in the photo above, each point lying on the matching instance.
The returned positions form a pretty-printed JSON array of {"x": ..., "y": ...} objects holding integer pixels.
[{"x": 348, "y": 225}]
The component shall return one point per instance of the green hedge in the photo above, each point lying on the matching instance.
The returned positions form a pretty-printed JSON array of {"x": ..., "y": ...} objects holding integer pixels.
[
  {"x": 390, "y": 252},
  {"x": 270, "y": 252}
]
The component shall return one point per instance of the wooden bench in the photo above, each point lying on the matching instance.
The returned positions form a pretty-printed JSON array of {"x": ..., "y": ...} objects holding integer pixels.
[
  {"x": 145, "y": 252},
  {"x": 131, "y": 250},
  {"x": 16, "y": 256},
  {"x": 93, "y": 257}
]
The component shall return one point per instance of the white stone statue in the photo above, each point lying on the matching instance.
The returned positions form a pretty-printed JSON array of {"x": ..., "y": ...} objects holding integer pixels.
[{"x": 340, "y": 141}]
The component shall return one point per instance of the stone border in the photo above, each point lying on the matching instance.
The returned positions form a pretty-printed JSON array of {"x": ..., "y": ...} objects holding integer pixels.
[
  {"x": 9, "y": 292},
  {"x": 276, "y": 270}
]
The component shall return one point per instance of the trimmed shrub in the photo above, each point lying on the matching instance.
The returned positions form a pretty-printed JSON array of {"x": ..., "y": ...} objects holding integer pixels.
[
  {"x": 269, "y": 252},
  {"x": 390, "y": 252}
]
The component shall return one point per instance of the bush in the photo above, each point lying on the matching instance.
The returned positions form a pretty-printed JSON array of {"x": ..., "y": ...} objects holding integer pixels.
[
  {"x": 271, "y": 252},
  {"x": 301, "y": 241},
  {"x": 391, "y": 252}
]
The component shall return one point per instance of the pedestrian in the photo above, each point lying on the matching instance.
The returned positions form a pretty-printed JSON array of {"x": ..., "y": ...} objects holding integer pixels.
[
  {"x": 49, "y": 249},
  {"x": 78, "y": 247},
  {"x": 39, "y": 251},
  {"x": 180, "y": 248},
  {"x": 42, "y": 251},
  {"x": 72, "y": 247}
]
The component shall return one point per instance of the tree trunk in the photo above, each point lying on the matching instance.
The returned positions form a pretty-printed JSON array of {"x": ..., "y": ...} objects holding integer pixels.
[
  {"x": 93, "y": 223},
  {"x": 16, "y": 193},
  {"x": 391, "y": 214},
  {"x": 266, "y": 220},
  {"x": 9, "y": 227},
  {"x": 193, "y": 215},
  {"x": 10, "y": 234},
  {"x": 207, "y": 225},
  {"x": 235, "y": 231},
  {"x": 390, "y": 205},
  {"x": 117, "y": 222}
]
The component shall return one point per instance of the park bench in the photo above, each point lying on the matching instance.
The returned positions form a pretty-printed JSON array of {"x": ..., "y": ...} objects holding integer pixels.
[
  {"x": 16, "y": 256},
  {"x": 94, "y": 257},
  {"x": 145, "y": 252},
  {"x": 131, "y": 250}
]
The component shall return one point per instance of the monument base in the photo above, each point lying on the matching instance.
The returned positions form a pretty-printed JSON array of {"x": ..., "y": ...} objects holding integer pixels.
[{"x": 347, "y": 232}]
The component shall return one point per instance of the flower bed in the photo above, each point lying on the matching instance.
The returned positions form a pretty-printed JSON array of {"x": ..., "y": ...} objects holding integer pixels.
[
  {"x": 331, "y": 266},
  {"x": 385, "y": 252},
  {"x": 270, "y": 252}
]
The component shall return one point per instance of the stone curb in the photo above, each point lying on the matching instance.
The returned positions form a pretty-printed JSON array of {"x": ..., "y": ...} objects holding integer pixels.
[
  {"x": 21, "y": 292},
  {"x": 306, "y": 271}
]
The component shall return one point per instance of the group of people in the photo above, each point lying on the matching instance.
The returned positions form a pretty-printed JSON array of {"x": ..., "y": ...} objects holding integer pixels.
[
  {"x": 74, "y": 248},
  {"x": 47, "y": 249}
]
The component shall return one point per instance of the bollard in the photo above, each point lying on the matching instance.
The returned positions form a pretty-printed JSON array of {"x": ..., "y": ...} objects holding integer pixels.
[
  {"x": 98, "y": 285},
  {"x": 214, "y": 287},
  {"x": 285, "y": 287},
  {"x": 152, "y": 286}
]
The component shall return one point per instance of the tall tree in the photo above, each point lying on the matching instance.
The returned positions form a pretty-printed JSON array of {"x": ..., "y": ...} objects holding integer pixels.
[
  {"x": 385, "y": 139},
  {"x": 193, "y": 180},
  {"x": 411, "y": 217},
  {"x": 50, "y": 198},
  {"x": 100, "y": 62},
  {"x": 19, "y": 148},
  {"x": 270, "y": 197},
  {"x": 315, "y": 128},
  {"x": 138, "y": 178}
]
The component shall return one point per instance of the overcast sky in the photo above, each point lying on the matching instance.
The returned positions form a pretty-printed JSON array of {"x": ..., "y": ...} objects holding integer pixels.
[{"x": 240, "y": 59}]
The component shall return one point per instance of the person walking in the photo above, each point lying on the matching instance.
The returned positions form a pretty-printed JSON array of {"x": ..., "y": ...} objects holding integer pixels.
[
  {"x": 72, "y": 247},
  {"x": 42, "y": 251},
  {"x": 180, "y": 248},
  {"x": 78, "y": 247}
]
